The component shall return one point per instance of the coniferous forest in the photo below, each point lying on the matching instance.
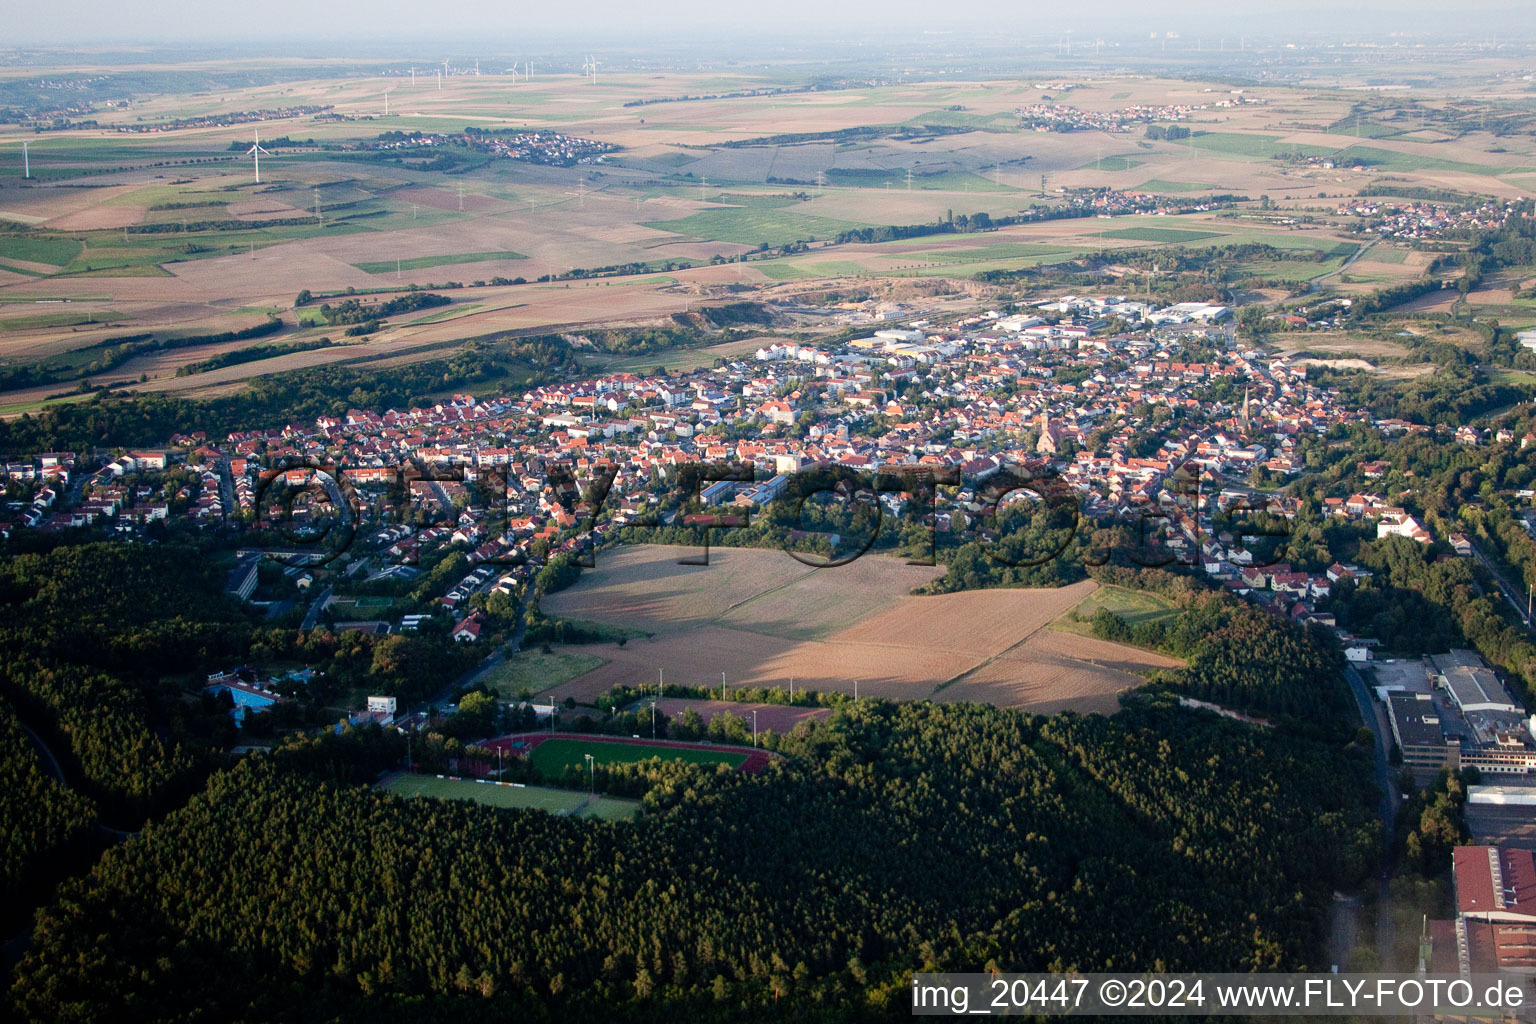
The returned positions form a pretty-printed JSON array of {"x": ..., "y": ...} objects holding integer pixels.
[{"x": 887, "y": 839}]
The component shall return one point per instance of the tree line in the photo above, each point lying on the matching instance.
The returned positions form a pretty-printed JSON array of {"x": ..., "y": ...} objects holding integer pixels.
[{"x": 894, "y": 838}]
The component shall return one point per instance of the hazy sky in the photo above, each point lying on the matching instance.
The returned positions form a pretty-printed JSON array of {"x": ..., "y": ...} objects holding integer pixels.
[{"x": 501, "y": 23}]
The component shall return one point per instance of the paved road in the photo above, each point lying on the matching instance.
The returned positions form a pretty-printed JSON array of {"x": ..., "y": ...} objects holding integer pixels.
[
  {"x": 447, "y": 694},
  {"x": 315, "y": 607},
  {"x": 1517, "y": 600},
  {"x": 1360, "y": 251},
  {"x": 51, "y": 764},
  {"x": 1374, "y": 717},
  {"x": 49, "y": 761}
]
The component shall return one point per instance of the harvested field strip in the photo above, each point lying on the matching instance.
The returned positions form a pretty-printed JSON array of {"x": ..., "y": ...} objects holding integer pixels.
[{"x": 424, "y": 262}]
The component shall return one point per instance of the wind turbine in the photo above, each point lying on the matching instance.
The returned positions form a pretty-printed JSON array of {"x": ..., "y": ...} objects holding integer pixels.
[
  {"x": 26, "y": 160},
  {"x": 386, "y": 102},
  {"x": 255, "y": 153}
]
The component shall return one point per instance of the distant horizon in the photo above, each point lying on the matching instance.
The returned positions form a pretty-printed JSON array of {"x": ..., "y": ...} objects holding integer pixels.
[{"x": 368, "y": 25}]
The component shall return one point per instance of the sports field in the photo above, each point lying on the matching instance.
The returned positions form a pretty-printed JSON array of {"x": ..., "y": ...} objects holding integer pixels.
[
  {"x": 555, "y": 755},
  {"x": 555, "y": 801}
]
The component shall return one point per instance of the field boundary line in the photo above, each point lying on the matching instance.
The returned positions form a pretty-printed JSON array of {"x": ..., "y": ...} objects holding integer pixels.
[{"x": 1022, "y": 641}]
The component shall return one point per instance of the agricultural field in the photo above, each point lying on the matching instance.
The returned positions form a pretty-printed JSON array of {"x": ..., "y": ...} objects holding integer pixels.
[
  {"x": 171, "y": 229},
  {"x": 423, "y": 262},
  {"x": 561, "y": 802},
  {"x": 1170, "y": 235},
  {"x": 762, "y": 619},
  {"x": 1055, "y": 671},
  {"x": 747, "y": 225}
]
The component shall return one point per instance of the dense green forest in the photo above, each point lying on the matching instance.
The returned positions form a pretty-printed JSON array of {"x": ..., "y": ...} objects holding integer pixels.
[
  {"x": 1237, "y": 655},
  {"x": 89, "y": 632},
  {"x": 894, "y": 838},
  {"x": 102, "y": 650},
  {"x": 42, "y": 820}
]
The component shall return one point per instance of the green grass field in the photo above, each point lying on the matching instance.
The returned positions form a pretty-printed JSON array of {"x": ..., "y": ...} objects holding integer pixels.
[
  {"x": 55, "y": 252},
  {"x": 536, "y": 672},
  {"x": 1391, "y": 160},
  {"x": 1159, "y": 185},
  {"x": 1236, "y": 144},
  {"x": 1171, "y": 235},
  {"x": 1134, "y": 606},
  {"x": 1364, "y": 129},
  {"x": 554, "y": 756},
  {"x": 358, "y": 607},
  {"x": 423, "y": 262},
  {"x": 1287, "y": 270},
  {"x": 1115, "y": 162},
  {"x": 41, "y": 320},
  {"x": 958, "y": 119},
  {"x": 555, "y": 801},
  {"x": 753, "y": 226},
  {"x": 778, "y": 271}
]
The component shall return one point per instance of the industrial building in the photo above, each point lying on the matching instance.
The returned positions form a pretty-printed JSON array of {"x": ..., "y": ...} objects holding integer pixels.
[{"x": 1457, "y": 713}]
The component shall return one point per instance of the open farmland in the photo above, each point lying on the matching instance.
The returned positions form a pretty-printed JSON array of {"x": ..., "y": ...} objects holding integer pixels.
[
  {"x": 762, "y": 619},
  {"x": 1056, "y": 671},
  {"x": 167, "y": 228}
]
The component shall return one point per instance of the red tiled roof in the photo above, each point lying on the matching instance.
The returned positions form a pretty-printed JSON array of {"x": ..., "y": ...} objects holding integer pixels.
[{"x": 1495, "y": 881}]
